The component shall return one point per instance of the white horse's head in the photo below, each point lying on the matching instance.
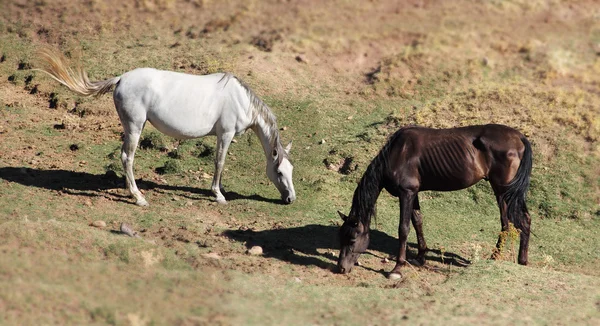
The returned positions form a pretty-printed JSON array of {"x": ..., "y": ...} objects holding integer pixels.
[{"x": 279, "y": 170}]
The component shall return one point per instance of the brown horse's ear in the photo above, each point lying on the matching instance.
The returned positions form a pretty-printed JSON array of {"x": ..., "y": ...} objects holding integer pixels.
[{"x": 344, "y": 217}]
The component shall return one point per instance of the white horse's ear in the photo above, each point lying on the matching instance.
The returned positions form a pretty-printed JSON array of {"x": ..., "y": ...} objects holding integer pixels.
[
  {"x": 288, "y": 148},
  {"x": 344, "y": 217}
]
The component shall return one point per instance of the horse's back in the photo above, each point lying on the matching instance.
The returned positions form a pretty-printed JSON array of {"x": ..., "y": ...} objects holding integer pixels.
[
  {"x": 183, "y": 105},
  {"x": 448, "y": 159}
]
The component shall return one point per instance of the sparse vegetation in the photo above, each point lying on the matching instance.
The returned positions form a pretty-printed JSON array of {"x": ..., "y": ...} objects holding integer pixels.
[{"x": 367, "y": 69}]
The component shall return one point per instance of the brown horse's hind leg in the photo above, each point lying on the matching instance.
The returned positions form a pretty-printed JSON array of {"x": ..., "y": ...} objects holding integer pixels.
[
  {"x": 524, "y": 244},
  {"x": 417, "y": 221},
  {"x": 504, "y": 222}
]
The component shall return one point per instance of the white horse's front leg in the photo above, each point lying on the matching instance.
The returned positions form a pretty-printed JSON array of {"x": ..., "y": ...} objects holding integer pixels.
[{"x": 223, "y": 142}]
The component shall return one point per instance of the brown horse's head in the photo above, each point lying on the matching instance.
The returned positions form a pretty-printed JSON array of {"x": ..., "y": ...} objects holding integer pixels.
[{"x": 354, "y": 240}]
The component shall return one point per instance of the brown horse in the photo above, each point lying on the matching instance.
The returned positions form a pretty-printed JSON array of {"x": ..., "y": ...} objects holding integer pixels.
[{"x": 417, "y": 159}]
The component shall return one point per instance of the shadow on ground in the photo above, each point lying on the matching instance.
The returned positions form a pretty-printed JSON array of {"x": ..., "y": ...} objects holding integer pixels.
[
  {"x": 95, "y": 185},
  {"x": 299, "y": 245}
]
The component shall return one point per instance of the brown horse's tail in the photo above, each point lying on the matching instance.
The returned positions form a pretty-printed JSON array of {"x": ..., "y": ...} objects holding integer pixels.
[
  {"x": 516, "y": 193},
  {"x": 77, "y": 81}
]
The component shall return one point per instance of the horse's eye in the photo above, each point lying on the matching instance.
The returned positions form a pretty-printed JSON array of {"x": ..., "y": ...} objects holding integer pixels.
[
  {"x": 279, "y": 173},
  {"x": 352, "y": 241}
]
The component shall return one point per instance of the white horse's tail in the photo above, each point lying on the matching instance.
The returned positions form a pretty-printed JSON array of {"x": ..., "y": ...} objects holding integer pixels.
[{"x": 77, "y": 81}]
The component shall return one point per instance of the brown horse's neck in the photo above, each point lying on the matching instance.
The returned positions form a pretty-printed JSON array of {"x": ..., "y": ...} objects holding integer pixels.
[{"x": 365, "y": 196}]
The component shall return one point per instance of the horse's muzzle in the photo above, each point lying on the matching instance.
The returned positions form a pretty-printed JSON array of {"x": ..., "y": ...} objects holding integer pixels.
[
  {"x": 288, "y": 199},
  {"x": 343, "y": 270}
]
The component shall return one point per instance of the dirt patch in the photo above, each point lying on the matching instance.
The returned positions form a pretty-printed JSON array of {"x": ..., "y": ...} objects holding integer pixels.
[
  {"x": 345, "y": 165},
  {"x": 266, "y": 40}
]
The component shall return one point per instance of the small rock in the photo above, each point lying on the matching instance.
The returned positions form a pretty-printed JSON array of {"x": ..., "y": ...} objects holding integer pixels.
[
  {"x": 297, "y": 280},
  {"x": 98, "y": 224},
  {"x": 175, "y": 198},
  {"x": 255, "y": 251},
  {"x": 322, "y": 141},
  {"x": 385, "y": 260},
  {"x": 126, "y": 229},
  {"x": 284, "y": 128},
  {"x": 350, "y": 117},
  {"x": 212, "y": 255},
  {"x": 394, "y": 276},
  {"x": 234, "y": 140},
  {"x": 301, "y": 59}
]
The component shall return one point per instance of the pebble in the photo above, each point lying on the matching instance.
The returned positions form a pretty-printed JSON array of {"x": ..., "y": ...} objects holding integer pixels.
[
  {"x": 98, "y": 224},
  {"x": 212, "y": 255},
  {"x": 126, "y": 229},
  {"x": 301, "y": 59},
  {"x": 394, "y": 276},
  {"x": 255, "y": 251}
]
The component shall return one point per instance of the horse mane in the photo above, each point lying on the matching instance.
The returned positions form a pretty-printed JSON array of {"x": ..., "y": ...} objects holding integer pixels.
[
  {"x": 260, "y": 110},
  {"x": 369, "y": 187}
]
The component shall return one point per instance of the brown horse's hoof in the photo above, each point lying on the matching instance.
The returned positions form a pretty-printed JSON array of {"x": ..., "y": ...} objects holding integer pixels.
[{"x": 417, "y": 262}]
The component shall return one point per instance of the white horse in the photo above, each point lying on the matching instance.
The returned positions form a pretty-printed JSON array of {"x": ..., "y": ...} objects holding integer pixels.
[{"x": 184, "y": 106}]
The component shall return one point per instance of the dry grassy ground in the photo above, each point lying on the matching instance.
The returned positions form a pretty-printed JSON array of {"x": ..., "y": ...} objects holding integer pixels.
[{"x": 340, "y": 76}]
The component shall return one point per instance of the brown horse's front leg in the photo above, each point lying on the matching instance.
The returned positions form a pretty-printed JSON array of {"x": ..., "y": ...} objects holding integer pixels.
[
  {"x": 417, "y": 221},
  {"x": 406, "y": 208}
]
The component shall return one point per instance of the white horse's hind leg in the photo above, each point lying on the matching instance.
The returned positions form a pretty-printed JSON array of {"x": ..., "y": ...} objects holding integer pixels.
[
  {"x": 223, "y": 142},
  {"x": 127, "y": 155}
]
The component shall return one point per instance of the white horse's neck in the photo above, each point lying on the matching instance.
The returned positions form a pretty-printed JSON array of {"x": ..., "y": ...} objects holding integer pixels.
[{"x": 267, "y": 133}]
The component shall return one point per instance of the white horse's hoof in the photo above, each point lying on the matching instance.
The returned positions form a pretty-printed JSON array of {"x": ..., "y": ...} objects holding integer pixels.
[
  {"x": 221, "y": 201},
  {"x": 394, "y": 276},
  {"x": 142, "y": 202}
]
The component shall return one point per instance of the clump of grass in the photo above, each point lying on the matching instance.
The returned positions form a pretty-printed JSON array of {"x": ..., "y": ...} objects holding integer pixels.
[
  {"x": 24, "y": 65},
  {"x": 55, "y": 101},
  {"x": 171, "y": 166},
  {"x": 175, "y": 154},
  {"x": 153, "y": 140},
  {"x": 118, "y": 250},
  {"x": 510, "y": 237},
  {"x": 203, "y": 150},
  {"x": 104, "y": 315},
  {"x": 113, "y": 167}
]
